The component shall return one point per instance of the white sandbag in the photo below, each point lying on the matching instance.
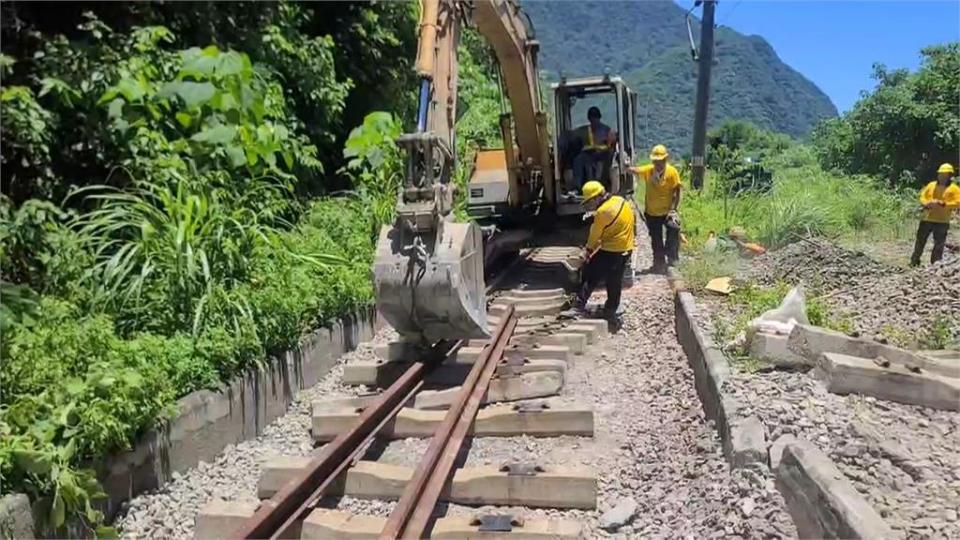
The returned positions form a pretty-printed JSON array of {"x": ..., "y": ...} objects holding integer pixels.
[
  {"x": 781, "y": 320},
  {"x": 794, "y": 306}
]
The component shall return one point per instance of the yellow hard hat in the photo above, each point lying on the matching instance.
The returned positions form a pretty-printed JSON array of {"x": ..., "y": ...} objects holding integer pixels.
[
  {"x": 659, "y": 152},
  {"x": 592, "y": 190},
  {"x": 946, "y": 168}
]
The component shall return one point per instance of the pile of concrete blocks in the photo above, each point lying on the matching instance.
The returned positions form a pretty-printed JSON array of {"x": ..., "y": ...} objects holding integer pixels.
[{"x": 855, "y": 365}]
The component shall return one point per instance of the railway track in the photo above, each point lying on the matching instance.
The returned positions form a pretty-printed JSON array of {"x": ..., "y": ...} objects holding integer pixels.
[
  {"x": 575, "y": 423},
  {"x": 449, "y": 393}
]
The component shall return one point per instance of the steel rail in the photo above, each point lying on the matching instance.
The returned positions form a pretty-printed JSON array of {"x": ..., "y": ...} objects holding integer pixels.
[
  {"x": 273, "y": 516},
  {"x": 417, "y": 525},
  {"x": 348, "y": 462},
  {"x": 412, "y": 513}
]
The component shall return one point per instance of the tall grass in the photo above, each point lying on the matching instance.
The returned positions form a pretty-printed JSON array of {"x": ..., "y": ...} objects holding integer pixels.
[
  {"x": 804, "y": 200},
  {"x": 165, "y": 250}
]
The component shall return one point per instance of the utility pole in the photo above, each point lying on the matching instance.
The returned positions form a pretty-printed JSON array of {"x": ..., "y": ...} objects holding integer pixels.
[{"x": 703, "y": 93}]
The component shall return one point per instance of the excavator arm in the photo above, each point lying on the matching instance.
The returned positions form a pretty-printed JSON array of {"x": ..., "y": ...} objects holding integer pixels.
[{"x": 428, "y": 269}]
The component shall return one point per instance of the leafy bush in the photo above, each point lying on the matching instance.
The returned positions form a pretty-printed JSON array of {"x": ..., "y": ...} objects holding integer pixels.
[
  {"x": 227, "y": 116},
  {"x": 910, "y": 123},
  {"x": 375, "y": 163},
  {"x": 26, "y": 134},
  {"x": 72, "y": 390},
  {"x": 189, "y": 250}
]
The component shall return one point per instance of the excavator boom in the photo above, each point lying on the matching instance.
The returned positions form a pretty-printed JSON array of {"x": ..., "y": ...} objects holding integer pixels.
[{"x": 428, "y": 269}]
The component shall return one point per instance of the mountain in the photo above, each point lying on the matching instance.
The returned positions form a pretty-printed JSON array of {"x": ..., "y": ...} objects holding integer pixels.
[{"x": 646, "y": 43}]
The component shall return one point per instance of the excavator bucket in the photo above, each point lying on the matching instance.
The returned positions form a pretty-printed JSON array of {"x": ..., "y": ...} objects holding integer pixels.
[{"x": 430, "y": 286}]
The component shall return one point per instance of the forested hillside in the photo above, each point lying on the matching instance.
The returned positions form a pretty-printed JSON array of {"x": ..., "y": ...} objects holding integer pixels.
[{"x": 646, "y": 43}]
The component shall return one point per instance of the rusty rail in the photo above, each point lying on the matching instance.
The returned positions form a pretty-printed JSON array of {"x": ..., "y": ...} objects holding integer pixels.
[
  {"x": 300, "y": 492},
  {"x": 411, "y": 515}
]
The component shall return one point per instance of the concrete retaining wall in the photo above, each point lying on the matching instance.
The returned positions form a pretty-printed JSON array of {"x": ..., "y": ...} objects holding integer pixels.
[
  {"x": 743, "y": 438},
  {"x": 16, "y": 520},
  {"x": 211, "y": 420}
]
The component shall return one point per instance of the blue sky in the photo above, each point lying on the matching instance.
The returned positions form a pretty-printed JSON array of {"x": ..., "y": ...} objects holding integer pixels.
[{"x": 834, "y": 43}]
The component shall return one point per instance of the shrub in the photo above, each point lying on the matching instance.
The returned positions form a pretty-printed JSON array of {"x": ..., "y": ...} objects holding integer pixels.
[{"x": 73, "y": 390}]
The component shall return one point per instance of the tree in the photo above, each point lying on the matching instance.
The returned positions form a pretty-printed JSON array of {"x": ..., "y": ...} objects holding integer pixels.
[{"x": 905, "y": 128}]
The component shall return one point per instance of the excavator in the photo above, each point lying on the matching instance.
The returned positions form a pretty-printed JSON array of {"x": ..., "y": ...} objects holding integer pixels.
[{"x": 429, "y": 269}]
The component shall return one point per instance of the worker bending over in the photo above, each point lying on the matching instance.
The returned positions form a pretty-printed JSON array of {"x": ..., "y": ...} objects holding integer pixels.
[
  {"x": 939, "y": 199},
  {"x": 661, "y": 201},
  {"x": 609, "y": 246}
]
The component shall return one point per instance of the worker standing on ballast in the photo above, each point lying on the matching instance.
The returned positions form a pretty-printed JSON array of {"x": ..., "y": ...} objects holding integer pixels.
[
  {"x": 939, "y": 199},
  {"x": 661, "y": 202},
  {"x": 609, "y": 246}
]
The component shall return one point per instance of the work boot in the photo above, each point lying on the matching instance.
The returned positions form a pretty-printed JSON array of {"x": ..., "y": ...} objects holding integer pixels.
[{"x": 615, "y": 325}]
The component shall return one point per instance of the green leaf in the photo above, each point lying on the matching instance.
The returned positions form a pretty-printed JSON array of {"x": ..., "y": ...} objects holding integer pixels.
[
  {"x": 67, "y": 452},
  {"x": 236, "y": 155},
  {"x": 184, "y": 119},
  {"x": 197, "y": 64},
  {"x": 231, "y": 63},
  {"x": 107, "y": 533},
  {"x": 33, "y": 461},
  {"x": 6, "y": 61},
  {"x": 227, "y": 102},
  {"x": 115, "y": 109},
  {"x": 195, "y": 94},
  {"x": 130, "y": 89},
  {"x": 58, "y": 511},
  {"x": 216, "y": 135},
  {"x": 132, "y": 378}
]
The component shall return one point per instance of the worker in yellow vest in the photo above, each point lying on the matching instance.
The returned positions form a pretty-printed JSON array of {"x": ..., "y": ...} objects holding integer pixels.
[
  {"x": 939, "y": 199},
  {"x": 609, "y": 246},
  {"x": 660, "y": 207},
  {"x": 596, "y": 151}
]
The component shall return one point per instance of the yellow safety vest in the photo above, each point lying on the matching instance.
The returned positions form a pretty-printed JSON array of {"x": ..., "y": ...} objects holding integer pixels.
[
  {"x": 591, "y": 139},
  {"x": 613, "y": 227}
]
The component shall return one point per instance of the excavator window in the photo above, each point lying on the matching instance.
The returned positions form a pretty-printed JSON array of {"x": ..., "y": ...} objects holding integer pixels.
[{"x": 574, "y": 105}]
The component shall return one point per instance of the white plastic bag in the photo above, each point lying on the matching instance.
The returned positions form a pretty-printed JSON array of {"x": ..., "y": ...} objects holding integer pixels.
[{"x": 781, "y": 320}]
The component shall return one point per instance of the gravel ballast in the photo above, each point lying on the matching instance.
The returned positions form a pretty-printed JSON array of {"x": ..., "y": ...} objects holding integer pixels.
[
  {"x": 904, "y": 460},
  {"x": 876, "y": 298}
]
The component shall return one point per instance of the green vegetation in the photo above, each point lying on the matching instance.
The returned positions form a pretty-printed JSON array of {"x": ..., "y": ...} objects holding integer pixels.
[
  {"x": 802, "y": 200},
  {"x": 646, "y": 43},
  {"x": 857, "y": 179},
  {"x": 166, "y": 220},
  {"x": 935, "y": 336},
  {"x": 905, "y": 128}
]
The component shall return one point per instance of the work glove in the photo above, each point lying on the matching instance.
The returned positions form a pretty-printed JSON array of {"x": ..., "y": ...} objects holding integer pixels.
[{"x": 673, "y": 220}]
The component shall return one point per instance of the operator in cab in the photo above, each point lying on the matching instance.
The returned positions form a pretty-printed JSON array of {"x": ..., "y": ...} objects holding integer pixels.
[
  {"x": 609, "y": 246},
  {"x": 661, "y": 201},
  {"x": 595, "y": 153},
  {"x": 939, "y": 199}
]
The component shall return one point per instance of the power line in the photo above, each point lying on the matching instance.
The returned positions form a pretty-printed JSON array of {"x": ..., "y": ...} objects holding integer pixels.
[{"x": 729, "y": 14}]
